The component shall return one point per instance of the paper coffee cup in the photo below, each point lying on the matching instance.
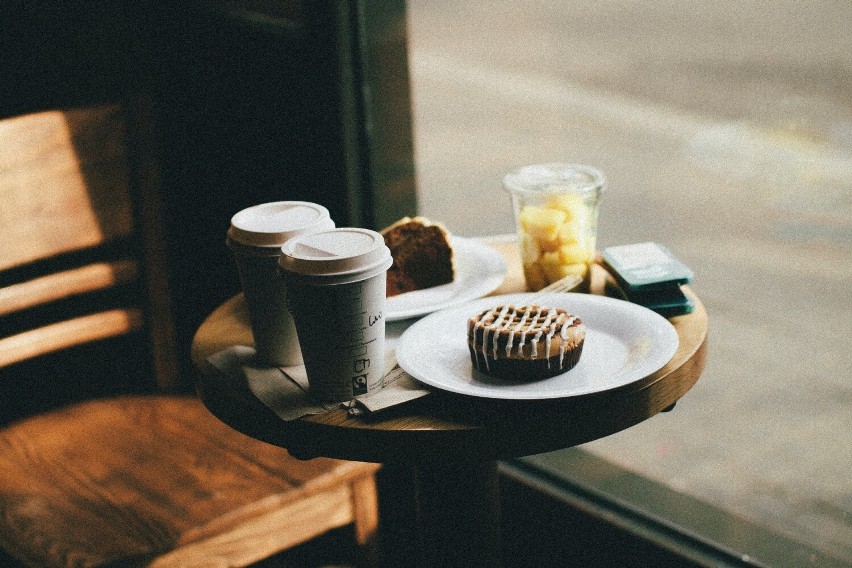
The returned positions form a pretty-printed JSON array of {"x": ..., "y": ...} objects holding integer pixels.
[
  {"x": 336, "y": 284},
  {"x": 255, "y": 238}
]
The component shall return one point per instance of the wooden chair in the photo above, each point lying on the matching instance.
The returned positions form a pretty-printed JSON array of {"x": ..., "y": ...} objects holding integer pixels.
[{"x": 134, "y": 479}]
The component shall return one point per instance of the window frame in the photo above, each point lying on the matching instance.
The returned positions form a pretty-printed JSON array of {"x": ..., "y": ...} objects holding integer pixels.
[{"x": 690, "y": 528}]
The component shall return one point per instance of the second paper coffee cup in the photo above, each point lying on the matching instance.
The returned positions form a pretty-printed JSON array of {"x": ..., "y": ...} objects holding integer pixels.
[
  {"x": 255, "y": 239},
  {"x": 336, "y": 283}
]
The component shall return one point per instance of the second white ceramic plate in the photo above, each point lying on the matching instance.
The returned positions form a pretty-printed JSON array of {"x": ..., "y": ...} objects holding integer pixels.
[
  {"x": 479, "y": 271},
  {"x": 624, "y": 343}
]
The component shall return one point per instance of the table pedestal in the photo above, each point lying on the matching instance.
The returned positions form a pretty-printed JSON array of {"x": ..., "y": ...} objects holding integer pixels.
[
  {"x": 457, "y": 515},
  {"x": 440, "y": 514}
]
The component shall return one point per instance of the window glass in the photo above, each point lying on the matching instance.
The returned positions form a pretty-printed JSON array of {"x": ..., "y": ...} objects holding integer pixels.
[{"x": 725, "y": 131}]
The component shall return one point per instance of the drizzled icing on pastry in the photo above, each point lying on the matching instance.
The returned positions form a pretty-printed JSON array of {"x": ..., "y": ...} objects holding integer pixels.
[{"x": 525, "y": 323}]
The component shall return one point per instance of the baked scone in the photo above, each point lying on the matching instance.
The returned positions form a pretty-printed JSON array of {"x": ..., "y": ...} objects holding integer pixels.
[
  {"x": 422, "y": 255},
  {"x": 525, "y": 342}
]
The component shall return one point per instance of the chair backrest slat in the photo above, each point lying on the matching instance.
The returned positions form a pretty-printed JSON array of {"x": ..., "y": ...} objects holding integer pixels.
[
  {"x": 71, "y": 254},
  {"x": 65, "y": 284},
  {"x": 63, "y": 183},
  {"x": 68, "y": 333}
]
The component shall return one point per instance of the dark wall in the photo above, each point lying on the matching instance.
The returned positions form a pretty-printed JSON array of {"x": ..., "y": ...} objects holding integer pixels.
[
  {"x": 64, "y": 54},
  {"x": 246, "y": 108},
  {"x": 248, "y": 111}
]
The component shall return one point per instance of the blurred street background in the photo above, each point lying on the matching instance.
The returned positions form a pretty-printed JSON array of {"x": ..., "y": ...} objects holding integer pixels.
[{"x": 725, "y": 131}]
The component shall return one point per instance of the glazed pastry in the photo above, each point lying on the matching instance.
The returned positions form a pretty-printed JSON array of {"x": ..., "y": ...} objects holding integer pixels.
[{"x": 525, "y": 342}]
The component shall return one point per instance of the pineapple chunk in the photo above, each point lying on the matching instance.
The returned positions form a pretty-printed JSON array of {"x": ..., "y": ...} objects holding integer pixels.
[
  {"x": 550, "y": 258},
  {"x": 530, "y": 251},
  {"x": 569, "y": 203},
  {"x": 574, "y": 254},
  {"x": 549, "y": 245},
  {"x": 541, "y": 223},
  {"x": 554, "y": 272},
  {"x": 580, "y": 269},
  {"x": 534, "y": 276},
  {"x": 571, "y": 233},
  {"x": 551, "y": 272}
]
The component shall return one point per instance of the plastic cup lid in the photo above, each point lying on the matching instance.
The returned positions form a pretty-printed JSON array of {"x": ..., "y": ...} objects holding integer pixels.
[
  {"x": 273, "y": 224},
  {"x": 344, "y": 254},
  {"x": 555, "y": 178}
]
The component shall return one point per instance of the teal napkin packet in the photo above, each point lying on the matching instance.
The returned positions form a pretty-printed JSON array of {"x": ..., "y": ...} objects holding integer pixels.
[
  {"x": 650, "y": 275},
  {"x": 668, "y": 301}
]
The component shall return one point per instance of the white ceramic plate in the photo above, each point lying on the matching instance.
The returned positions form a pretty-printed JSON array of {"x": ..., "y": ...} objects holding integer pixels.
[
  {"x": 624, "y": 343},
  {"x": 479, "y": 271}
]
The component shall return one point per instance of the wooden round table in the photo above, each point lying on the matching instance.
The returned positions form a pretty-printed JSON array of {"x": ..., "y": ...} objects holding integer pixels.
[{"x": 451, "y": 440}]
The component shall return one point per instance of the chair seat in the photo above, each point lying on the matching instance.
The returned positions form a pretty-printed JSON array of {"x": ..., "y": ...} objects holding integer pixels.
[{"x": 133, "y": 478}]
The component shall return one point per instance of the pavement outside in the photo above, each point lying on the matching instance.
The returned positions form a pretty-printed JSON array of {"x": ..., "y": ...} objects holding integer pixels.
[{"x": 725, "y": 130}]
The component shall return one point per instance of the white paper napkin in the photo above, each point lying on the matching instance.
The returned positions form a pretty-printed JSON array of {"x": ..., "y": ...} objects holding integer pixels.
[{"x": 285, "y": 389}]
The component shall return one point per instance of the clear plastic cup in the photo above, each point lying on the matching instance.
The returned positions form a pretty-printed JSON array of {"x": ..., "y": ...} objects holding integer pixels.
[{"x": 556, "y": 215}]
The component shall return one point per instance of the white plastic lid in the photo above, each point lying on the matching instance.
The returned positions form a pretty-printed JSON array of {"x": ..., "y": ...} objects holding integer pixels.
[
  {"x": 555, "y": 178},
  {"x": 336, "y": 256},
  {"x": 273, "y": 224}
]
